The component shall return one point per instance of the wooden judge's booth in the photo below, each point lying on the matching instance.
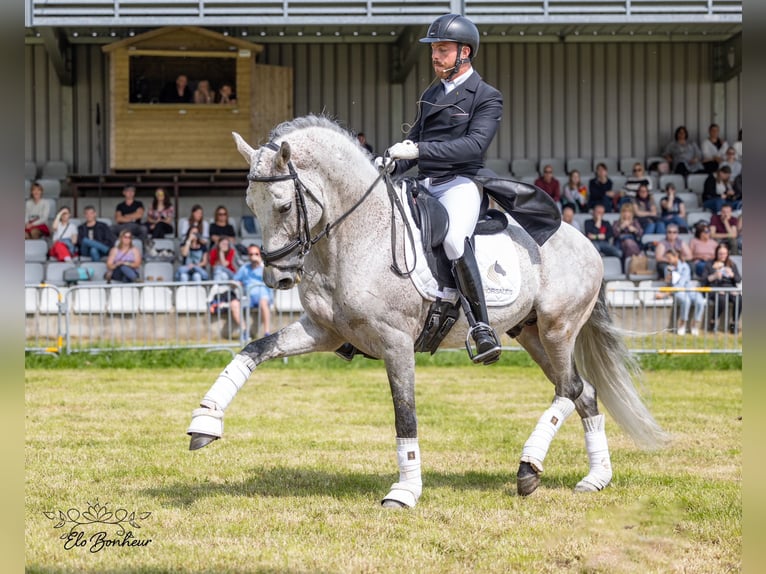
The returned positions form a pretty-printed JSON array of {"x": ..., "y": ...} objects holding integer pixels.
[{"x": 146, "y": 132}]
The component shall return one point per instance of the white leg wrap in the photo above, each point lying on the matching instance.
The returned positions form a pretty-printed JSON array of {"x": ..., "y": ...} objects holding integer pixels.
[
  {"x": 537, "y": 444},
  {"x": 228, "y": 383},
  {"x": 410, "y": 485},
  {"x": 600, "y": 473},
  {"x": 206, "y": 421}
]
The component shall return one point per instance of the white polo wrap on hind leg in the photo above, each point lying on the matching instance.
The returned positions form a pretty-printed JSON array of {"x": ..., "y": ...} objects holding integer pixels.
[
  {"x": 550, "y": 422},
  {"x": 600, "y": 473},
  {"x": 410, "y": 485}
]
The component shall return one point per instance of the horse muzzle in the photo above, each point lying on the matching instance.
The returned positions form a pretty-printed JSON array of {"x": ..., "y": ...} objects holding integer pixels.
[{"x": 282, "y": 277}]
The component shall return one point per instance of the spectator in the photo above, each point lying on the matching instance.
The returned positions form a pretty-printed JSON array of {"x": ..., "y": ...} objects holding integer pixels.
[
  {"x": 739, "y": 233},
  {"x": 222, "y": 257},
  {"x": 721, "y": 271},
  {"x": 702, "y": 248},
  {"x": 124, "y": 260},
  {"x": 600, "y": 189},
  {"x": 204, "y": 93},
  {"x": 226, "y": 94},
  {"x": 258, "y": 295},
  {"x": 734, "y": 164},
  {"x": 64, "y": 236},
  {"x": 550, "y": 184},
  {"x": 575, "y": 193},
  {"x": 599, "y": 231},
  {"x": 713, "y": 149},
  {"x": 364, "y": 143},
  {"x": 36, "y": 214},
  {"x": 177, "y": 92},
  {"x": 627, "y": 231},
  {"x": 159, "y": 219},
  {"x": 194, "y": 258},
  {"x": 684, "y": 156},
  {"x": 94, "y": 237},
  {"x": 637, "y": 179},
  {"x": 646, "y": 211},
  {"x": 672, "y": 208},
  {"x": 567, "y": 216},
  {"x": 671, "y": 242},
  {"x": 723, "y": 228},
  {"x": 128, "y": 214},
  {"x": 196, "y": 219},
  {"x": 738, "y": 145},
  {"x": 678, "y": 274},
  {"x": 717, "y": 189},
  {"x": 221, "y": 227}
]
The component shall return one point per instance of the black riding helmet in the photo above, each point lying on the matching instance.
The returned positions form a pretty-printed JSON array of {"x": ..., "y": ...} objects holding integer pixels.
[{"x": 454, "y": 28}]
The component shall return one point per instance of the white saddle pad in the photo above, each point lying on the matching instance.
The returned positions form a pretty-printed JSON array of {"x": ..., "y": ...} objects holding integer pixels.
[{"x": 497, "y": 260}]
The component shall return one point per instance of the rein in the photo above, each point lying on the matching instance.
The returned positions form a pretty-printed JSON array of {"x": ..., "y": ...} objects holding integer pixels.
[{"x": 304, "y": 242}]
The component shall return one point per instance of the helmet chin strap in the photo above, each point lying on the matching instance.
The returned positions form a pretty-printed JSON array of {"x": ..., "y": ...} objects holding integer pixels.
[{"x": 458, "y": 62}]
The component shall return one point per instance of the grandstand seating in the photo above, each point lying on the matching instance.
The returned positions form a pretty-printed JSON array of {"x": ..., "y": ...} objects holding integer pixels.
[
  {"x": 582, "y": 165},
  {"x": 55, "y": 170},
  {"x": 558, "y": 165},
  {"x": 500, "y": 166},
  {"x": 33, "y": 272},
  {"x": 626, "y": 165},
  {"x": 156, "y": 299},
  {"x": 522, "y": 167},
  {"x": 675, "y": 178},
  {"x": 35, "y": 250},
  {"x": 30, "y": 170},
  {"x": 89, "y": 301},
  {"x": 54, "y": 271},
  {"x": 613, "y": 269},
  {"x": 123, "y": 300},
  {"x": 612, "y": 166},
  {"x": 695, "y": 182},
  {"x": 622, "y": 294}
]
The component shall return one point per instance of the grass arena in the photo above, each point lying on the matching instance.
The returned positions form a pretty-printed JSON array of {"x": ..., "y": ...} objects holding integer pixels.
[{"x": 294, "y": 485}]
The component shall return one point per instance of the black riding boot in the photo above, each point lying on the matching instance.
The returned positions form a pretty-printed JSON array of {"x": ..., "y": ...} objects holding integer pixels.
[{"x": 468, "y": 279}]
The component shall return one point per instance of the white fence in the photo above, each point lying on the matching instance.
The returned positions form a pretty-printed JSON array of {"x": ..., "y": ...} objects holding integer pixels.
[{"x": 168, "y": 315}]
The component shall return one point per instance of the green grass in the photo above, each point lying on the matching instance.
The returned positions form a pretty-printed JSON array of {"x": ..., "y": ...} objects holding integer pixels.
[{"x": 295, "y": 484}]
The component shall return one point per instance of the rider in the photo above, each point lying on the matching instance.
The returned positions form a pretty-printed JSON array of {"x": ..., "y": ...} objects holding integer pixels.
[{"x": 456, "y": 122}]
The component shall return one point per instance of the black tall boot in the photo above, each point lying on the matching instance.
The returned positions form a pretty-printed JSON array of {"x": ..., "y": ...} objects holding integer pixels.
[{"x": 468, "y": 279}]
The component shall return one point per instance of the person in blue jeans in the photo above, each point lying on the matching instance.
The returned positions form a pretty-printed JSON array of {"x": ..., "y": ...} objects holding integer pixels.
[
  {"x": 94, "y": 238},
  {"x": 193, "y": 258},
  {"x": 257, "y": 294},
  {"x": 678, "y": 273}
]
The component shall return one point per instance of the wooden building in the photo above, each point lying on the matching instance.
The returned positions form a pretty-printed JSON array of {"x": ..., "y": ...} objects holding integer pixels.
[{"x": 146, "y": 131}]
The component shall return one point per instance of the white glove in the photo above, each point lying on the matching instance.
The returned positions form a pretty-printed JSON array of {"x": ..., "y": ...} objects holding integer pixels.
[
  {"x": 403, "y": 150},
  {"x": 387, "y": 164}
]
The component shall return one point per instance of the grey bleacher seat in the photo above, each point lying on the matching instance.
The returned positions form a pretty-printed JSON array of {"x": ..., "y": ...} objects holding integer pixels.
[
  {"x": 54, "y": 271},
  {"x": 626, "y": 164},
  {"x": 581, "y": 164},
  {"x": 500, "y": 166},
  {"x": 691, "y": 201},
  {"x": 613, "y": 269},
  {"x": 123, "y": 300},
  {"x": 558, "y": 165},
  {"x": 738, "y": 260},
  {"x": 33, "y": 272},
  {"x": 30, "y": 300},
  {"x": 610, "y": 162},
  {"x": 287, "y": 301},
  {"x": 156, "y": 299},
  {"x": 696, "y": 216},
  {"x": 581, "y": 218},
  {"x": 191, "y": 299},
  {"x": 107, "y": 220},
  {"x": 55, "y": 170},
  {"x": 611, "y": 217},
  {"x": 675, "y": 178},
  {"x": 36, "y": 250},
  {"x": 51, "y": 188},
  {"x": 522, "y": 167},
  {"x": 529, "y": 178},
  {"x": 695, "y": 182},
  {"x": 618, "y": 181},
  {"x": 30, "y": 170},
  {"x": 27, "y": 187},
  {"x": 99, "y": 270},
  {"x": 90, "y": 301},
  {"x": 162, "y": 249},
  {"x": 649, "y": 239},
  {"x": 157, "y": 271},
  {"x": 653, "y": 160},
  {"x": 622, "y": 294}
]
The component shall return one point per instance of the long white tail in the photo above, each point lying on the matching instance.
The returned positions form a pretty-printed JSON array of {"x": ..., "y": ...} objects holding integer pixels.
[{"x": 604, "y": 360}]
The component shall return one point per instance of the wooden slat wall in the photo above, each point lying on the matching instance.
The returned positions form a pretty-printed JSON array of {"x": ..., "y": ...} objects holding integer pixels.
[{"x": 562, "y": 100}]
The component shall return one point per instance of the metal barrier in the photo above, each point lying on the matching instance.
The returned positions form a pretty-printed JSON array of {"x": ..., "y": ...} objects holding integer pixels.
[{"x": 168, "y": 315}]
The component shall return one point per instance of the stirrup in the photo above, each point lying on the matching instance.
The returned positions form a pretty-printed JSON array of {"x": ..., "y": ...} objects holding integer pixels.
[{"x": 488, "y": 356}]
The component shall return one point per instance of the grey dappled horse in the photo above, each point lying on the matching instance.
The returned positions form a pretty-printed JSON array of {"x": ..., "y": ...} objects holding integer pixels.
[{"x": 327, "y": 227}]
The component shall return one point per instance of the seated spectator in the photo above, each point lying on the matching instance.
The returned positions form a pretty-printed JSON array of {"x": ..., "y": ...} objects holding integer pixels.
[
  {"x": 258, "y": 295},
  {"x": 550, "y": 184},
  {"x": 713, "y": 149},
  {"x": 124, "y": 260},
  {"x": 739, "y": 233},
  {"x": 196, "y": 219},
  {"x": 723, "y": 228},
  {"x": 177, "y": 92},
  {"x": 637, "y": 179},
  {"x": 575, "y": 193},
  {"x": 194, "y": 258},
  {"x": 734, "y": 164},
  {"x": 673, "y": 209},
  {"x": 221, "y": 227},
  {"x": 721, "y": 271},
  {"x": 702, "y": 248},
  {"x": 36, "y": 214},
  {"x": 567, "y": 216},
  {"x": 671, "y": 242},
  {"x": 737, "y": 145},
  {"x": 600, "y": 189},
  {"x": 222, "y": 259},
  {"x": 223, "y": 299},
  {"x": 128, "y": 214},
  {"x": 717, "y": 189},
  {"x": 94, "y": 237},
  {"x": 226, "y": 95},
  {"x": 599, "y": 231},
  {"x": 64, "y": 236},
  {"x": 678, "y": 274},
  {"x": 159, "y": 219},
  {"x": 646, "y": 211},
  {"x": 628, "y": 232},
  {"x": 204, "y": 94},
  {"x": 684, "y": 156}
]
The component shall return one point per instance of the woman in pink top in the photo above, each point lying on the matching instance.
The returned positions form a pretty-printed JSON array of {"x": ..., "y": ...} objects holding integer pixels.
[{"x": 702, "y": 247}]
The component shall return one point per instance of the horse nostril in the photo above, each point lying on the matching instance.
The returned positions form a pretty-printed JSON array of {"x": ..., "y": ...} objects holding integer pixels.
[{"x": 285, "y": 283}]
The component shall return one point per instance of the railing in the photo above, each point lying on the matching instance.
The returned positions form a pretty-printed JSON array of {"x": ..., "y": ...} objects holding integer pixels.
[
  {"x": 170, "y": 315},
  {"x": 153, "y": 13}
]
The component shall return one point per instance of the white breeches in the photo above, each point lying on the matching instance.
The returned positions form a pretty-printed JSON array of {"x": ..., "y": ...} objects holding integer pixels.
[{"x": 462, "y": 199}]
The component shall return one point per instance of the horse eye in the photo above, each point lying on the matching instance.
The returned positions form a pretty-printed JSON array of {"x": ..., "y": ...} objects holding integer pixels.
[{"x": 285, "y": 208}]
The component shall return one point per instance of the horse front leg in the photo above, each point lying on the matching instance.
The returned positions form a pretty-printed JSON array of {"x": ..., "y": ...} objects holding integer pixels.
[
  {"x": 401, "y": 377},
  {"x": 298, "y": 338}
]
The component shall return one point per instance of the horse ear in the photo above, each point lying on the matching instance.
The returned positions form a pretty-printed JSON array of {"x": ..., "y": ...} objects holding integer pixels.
[
  {"x": 243, "y": 147},
  {"x": 283, "y": 157}
]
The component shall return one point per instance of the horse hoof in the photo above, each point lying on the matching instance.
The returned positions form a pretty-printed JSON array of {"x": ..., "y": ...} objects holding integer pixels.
[
  {"x": 527, "y": 480},
  {"x": 199, "y": 440},
  {"x": 395, "y": 504}
]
